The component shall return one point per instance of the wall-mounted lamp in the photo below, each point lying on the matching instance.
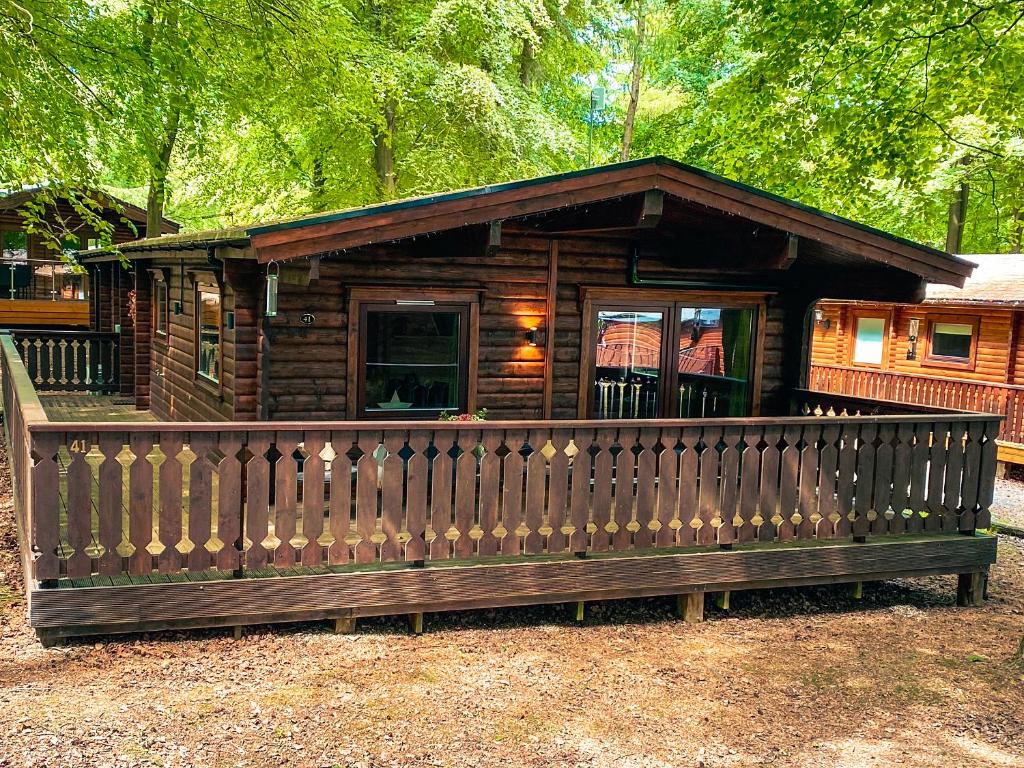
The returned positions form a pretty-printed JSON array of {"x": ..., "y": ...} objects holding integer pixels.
[
  {"x": 912, "y": 331},
  {"x": 820, "y": 319},
  {"x": 532, "y": 336},
  {"x": 271, "y": 307}
]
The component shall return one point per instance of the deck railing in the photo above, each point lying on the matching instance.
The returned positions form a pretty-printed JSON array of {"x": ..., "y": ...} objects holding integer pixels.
[
  {"x": 71, "y": 361},
  {"x": 150, "y": 499},
  {"x": 1006, "y": 400}
]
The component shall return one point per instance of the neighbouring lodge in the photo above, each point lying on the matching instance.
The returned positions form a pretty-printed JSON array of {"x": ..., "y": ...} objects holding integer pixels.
[
  {"x": 961, "y": 347},
  {"x": 638, "y": 335},
  {"x": 39, "y": 287}
]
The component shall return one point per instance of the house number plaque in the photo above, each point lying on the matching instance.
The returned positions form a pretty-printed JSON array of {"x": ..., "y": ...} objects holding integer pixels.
[{"x": 307, "y": 318}]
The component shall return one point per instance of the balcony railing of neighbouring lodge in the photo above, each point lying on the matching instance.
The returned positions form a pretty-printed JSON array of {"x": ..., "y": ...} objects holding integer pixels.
[{"x": 70, "y": 361}]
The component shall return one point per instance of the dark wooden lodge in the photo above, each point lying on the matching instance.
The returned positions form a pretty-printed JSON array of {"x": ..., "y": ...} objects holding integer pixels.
[{"x": 639, "y": 337}]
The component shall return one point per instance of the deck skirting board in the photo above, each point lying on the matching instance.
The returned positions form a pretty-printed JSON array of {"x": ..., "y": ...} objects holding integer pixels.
[{"x": 90, "y": 610}]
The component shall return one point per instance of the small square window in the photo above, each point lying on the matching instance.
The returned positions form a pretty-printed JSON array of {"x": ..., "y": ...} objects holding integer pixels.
[
  {"x": 869, "y": 341},
  {"x": 952, "y": 341}
]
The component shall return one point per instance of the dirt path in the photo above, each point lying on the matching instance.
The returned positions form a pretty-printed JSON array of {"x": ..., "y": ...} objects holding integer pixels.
[{"x": 789, "y": 678}]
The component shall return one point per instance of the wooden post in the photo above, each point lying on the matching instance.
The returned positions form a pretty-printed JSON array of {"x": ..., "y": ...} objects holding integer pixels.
[
  {"x": 858, "y": 590},
  {"x": 237, "y": 631},
  {"x": 580, "y": 612},
  {"x": 970, "y": 590},
  {"x": 691, "y": 607},
  {"x": 416, "y": 623},
  {"x": 345, "y": 625},
  {"x": 722, "y": 601}
]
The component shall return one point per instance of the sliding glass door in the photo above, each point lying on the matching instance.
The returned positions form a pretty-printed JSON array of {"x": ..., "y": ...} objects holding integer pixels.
[{"x": 671, "y": 360}]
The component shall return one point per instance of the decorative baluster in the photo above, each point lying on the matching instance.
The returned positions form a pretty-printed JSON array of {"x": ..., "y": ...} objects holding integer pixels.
[
  {"x": 170, "y": 528},
  {"x": 285, "y": 492},
  {"x": 416, "y": 502},
  {"x": 257, "y": 501},
  {"x": 367, "y": 482},
  {"x": 688, "y": 487},
  {"x": 579, "y": 503},
  {"x": 392, "y": 475},
  {"x": 730, "y": 485},
  {"x": 646, "y": 488},
  {"x": 513, "y": 476},
  {"x": 825, "y": 511},
  {"x": 229, "y": 501},
  {"x": 750, "y": 473},
  {"x": 536, "y": 477},
  {"x": 625, "y": 467},
  {"x": 313, "y": 498},
  {"x": 558, "y": 489},
  {"x": 769, "y": 496},
  {"x": 79, "y": 510},
  {"x": 200, "y": 500},
  {"x": 602, "y": 496},
  {"x": 341, "y": 498},
  {"x": 45, "y": 506},
  {"x": 140, "y": 503},
  {"x": 441, "y": 496},
  {"x": 109, "y": 509},
  {"x": 668, "y": 489}
]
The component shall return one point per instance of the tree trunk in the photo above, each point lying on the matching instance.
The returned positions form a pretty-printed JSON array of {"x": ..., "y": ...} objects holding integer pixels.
[
  {"x": 957, "y": 219},
  {"x": 157, "y": 196},
  {"x": 634, "y": 85},
  {"x": 384, "y": 154},
  {"x": 528, "y": 64}
]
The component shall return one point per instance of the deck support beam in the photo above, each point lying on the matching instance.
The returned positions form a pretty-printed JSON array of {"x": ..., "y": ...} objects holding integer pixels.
[
  {"x": 691, "y": 607},
  {"x": 580, "y": 612},
  {"x": 858, "y": 590},
  {"x": 722, "y": 601},
  {"x": 416, "y": 623},
  {"x": 970, "y": 590},
  {"x": 345, "y": 625}
]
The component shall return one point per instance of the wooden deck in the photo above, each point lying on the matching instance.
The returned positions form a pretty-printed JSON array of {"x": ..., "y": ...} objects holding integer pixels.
[
  {"x": 65, "y": 406},
  {"x": 102, "y": 605},
  {"x": 129, "y": 526}
]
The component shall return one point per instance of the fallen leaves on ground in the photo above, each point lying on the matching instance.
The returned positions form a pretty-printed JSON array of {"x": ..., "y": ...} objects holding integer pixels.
[{"x": 788, "y": 677}]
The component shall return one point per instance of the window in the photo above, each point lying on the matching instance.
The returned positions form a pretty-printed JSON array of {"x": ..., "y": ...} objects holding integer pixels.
[
  {"x": 160, "y": 308},
  {"x": 674, "y": 360},
  {"x": 208, "y": 319},
  {"x": 869, "y": 341},
  {"x": 952, "y": 342},
  {"x": 415, "y": 359},
  {"x": 14, "y": 246}
]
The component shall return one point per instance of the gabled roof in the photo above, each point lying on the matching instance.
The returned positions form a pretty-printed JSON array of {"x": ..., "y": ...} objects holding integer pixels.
[
  {"x": 997, "y": 280},
  {"x": 10, "y": 200},
  {"x": 355, "y": 227}
]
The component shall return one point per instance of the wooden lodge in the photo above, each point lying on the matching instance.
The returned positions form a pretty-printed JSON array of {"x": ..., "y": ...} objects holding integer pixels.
[
  {"x": 962, "y": 347},
  {"x": 41, "y": 287},
  {"x": 639, "y": 336}
]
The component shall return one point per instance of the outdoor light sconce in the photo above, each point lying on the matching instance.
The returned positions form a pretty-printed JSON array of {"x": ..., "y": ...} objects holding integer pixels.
[
  {"x": 820, "y": 319},
  {"x": 912, "y": 331},
  {"x": 271, "y": 308},
  {"x": 532, "y": 336}
]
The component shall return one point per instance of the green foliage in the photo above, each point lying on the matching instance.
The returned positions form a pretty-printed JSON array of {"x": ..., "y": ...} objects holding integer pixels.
[{"x": 242, "y": 110}]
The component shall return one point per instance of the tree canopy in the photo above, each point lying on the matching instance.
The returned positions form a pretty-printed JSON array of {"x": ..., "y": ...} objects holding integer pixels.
[{"x": 904, "y": 116}]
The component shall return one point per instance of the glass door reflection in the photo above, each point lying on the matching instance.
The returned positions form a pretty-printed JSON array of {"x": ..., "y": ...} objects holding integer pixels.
[
  {"x": 713, "y": 362},
  {"x": 628, "y": 359}
]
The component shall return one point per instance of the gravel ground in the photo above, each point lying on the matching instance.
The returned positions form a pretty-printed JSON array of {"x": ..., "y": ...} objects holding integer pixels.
[
  {"x": 1008, "y": 505},
  {"x": 805, "y": 678}
]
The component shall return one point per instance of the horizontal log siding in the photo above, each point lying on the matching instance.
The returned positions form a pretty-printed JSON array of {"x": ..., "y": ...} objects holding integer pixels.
[
  {"x": 309, "y": 363},
  {"x": 174, "y": 392},
  {"x": 834, "y": 346}
]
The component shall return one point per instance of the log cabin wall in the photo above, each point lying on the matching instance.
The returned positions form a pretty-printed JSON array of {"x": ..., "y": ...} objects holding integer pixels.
[
  {"x": 308, "y": 377},
  {"x": 175, "y": 392},
  {"x": 998, "y": 356}
]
